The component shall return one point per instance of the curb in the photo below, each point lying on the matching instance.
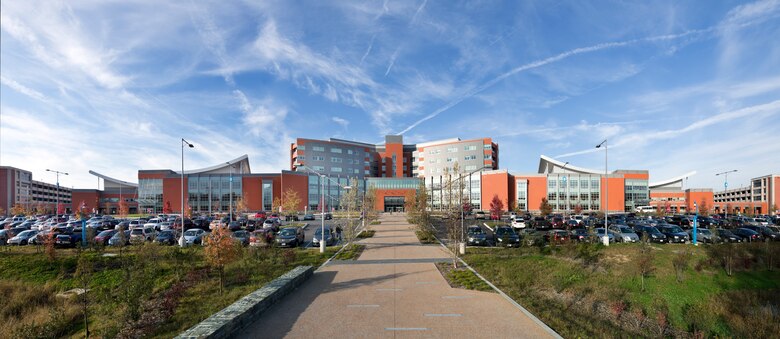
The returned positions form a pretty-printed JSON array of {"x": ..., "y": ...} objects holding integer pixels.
[
  {"x": 488, "y": 227},
  {"x": 501, "y": 293}
]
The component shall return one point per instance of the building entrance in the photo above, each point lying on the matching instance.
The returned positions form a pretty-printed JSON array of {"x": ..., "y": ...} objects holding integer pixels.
[{"x": 394, "y": 204}]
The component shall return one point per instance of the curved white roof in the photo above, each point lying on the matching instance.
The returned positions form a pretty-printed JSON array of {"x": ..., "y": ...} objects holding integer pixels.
[
  {"x": 548, "y": 165},
  {"x": 112, "y": 180},
  {"x": 242, "y": 161},
  {"x": 671, "y": 181}
]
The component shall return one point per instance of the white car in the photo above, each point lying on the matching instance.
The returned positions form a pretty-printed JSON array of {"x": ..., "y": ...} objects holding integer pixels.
[
  {"x": 194, "y": 236},
  {"x": 154, "y": 223},
  {"x": 518, "y": 223},
  {"x": 166, "y": 225}
]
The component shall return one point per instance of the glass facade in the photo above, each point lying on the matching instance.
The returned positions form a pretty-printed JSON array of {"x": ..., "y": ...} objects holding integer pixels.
[
  {"x": 637, "y": 194},
  {"x": 211, "y": 193},
  {"x": 268, "y": 195},
  {"x": 565, "y": 191},
  {"x": 334, "y": 189},
  {"x": 522, "y": 194},
  {"x": 439, "y": 196},
  {"x": 150, "y": 195}
]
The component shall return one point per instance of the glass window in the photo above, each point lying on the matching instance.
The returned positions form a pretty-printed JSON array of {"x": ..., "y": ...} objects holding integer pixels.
[
  {"x": 318, "y": 148},
  {"x": 470, "y": 157},
  {"x": 302, "y": 147},
  {"x": 487, "y": 146},
  {"x": 336, "y": 160},
  {"x": 335, "y": 150},
  {"x": 487, "y": 156},
  {"x": 335, "y": 169}
]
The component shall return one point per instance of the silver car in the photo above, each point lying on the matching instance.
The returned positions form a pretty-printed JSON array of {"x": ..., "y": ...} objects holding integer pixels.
[{"x": 623, "y": 233}]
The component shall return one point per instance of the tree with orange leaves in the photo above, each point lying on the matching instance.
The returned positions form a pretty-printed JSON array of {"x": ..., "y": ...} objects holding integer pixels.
[{"x": 220, "y": 250}]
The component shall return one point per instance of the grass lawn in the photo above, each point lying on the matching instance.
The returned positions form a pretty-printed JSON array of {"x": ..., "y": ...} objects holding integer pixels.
[
  {"x": 462, "y": 277},
  {"x": 376, "y": 222},
  {"x": 352, "y": 252},
  {"x": 366, "y": 234},
  {"x": 294, "y": 224},
  {"x": 494, "y": 223},
  {"x": 606, "y": 298},
  {"x": 425, "y": 236},
  {"x": 147, "y": 291}
]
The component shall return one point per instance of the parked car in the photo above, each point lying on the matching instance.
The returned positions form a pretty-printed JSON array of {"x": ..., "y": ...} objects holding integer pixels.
[
  {"x": 506, "y": 236},
  {"x": 329, "y": 238},
  {"x": 67, "y": 239},
  {"x": 579, "y": 234},
  {"x": 557, "y": 222},
  {"x": 22, "y": 238},
  {"x": 272, "y": 223},
  {"x": 557, "y": 236},
  {"x": 540, "y": 223},
  {"x": 290, "y": 237},
  {"x": 261, "y": 237},
  {"x": 4, "y": 236},
  {"x": 767, "y": 233},
  {"x": 308, "y": 217},
  {"x": 328, "y": 216},
  {"x": 747, "y": 234},
  {"x": 242, "y": 237},
  {"x": 476, "y": 236},
  {"x": 480, "y": 215},
  {"x": 104, "y": 236},
  {"x": 518, "y": 222},
  {"x": 704, "y": 235},
  {"x": 623, "y": 233},
  {"x": 142, "y": 234},
  {"x": 599, "y": 234},
  {"x": 726, "y": 236},
  {"x": 120, "y": 239},
  {"x": 166, "y": 237},
  {"x": 194, "y": 236},
  {"x": 675, "y": 234}
]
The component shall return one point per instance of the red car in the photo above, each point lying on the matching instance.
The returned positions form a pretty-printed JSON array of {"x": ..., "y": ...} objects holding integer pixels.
[
  {"x": 260, "y": 215},
  {"x": 103, "y": 237}
]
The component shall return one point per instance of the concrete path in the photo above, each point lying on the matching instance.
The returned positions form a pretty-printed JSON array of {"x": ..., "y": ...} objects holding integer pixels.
[{"x": 393, "y": 290}]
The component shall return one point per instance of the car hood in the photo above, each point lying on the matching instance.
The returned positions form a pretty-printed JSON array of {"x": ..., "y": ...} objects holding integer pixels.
[{"x": 285, "y": 236}]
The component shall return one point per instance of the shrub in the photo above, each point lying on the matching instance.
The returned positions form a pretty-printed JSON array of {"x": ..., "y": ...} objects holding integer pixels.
[{"x": 680, "y": 262}]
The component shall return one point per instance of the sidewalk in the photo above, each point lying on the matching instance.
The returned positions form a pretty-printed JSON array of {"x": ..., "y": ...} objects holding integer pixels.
[{"x": 393, "y": 290}]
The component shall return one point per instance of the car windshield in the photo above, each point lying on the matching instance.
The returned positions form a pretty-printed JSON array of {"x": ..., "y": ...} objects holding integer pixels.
[
  {"x": 475, "y": 230},
  {"x": 287, "y": 231},
  {"x": 137, "y": 231},
  {"x": 725, "y": 232},
  {"x": 104, "y": 233},
  {"x": 675, "y": 229},
  {"x": 504, "y": 231},
  {"x": 191, "y": 233},
  {"x": 27, "y": 234},
  {"x": 704, "y": 231},
  {"x": 319, "y": 231},
  {"x": 166, "y": 234},
  {"x": 625, "y": 229}
]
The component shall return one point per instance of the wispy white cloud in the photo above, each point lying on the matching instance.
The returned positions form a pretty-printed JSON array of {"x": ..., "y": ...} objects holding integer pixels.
[
  {"x": 344, "y": 123},
  {"x": 392, "y": 61},
  {"x": 368, "y": 50},
  {"x": 213, "y": 39},
  {"x": 417, "y": 12}
]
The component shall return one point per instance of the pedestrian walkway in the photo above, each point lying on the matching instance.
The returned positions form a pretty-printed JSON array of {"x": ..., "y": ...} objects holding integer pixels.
[{"x": 393, "y": 290}]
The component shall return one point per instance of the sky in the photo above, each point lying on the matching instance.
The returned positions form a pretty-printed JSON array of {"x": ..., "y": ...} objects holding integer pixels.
[{"x": 113, "y": 86}]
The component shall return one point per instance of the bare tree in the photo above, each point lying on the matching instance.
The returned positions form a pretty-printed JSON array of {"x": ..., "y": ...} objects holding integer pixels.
[
  {"x": 368, "y": 205},
  {"x": 545, "y": 208},
  {"x": 644, "y": 262},
  {"x": 452, "y": 208},
  {"x": 350, "y": 200}
]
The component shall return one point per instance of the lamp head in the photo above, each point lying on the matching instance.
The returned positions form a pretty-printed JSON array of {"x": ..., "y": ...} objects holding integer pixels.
[{"x": 191, "y": 145}]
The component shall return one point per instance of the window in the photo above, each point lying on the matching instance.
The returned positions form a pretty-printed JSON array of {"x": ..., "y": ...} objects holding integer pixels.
[
  {"x": 318, "y": 168},
  {"x": 317, "y": 158},
  {"x": 349, "y": 151},
  {"x": 300, "y": 157},
  {"x": 470, "y": 148},
  {"x": 471, "y": 167},
  {"x": 336, "y": 160},
  {"x": 551, "y": 184},
  {"x": 335, "y": 150},
  {"x": 302, "y": 147},
  {"x": 452, "y": 149},
  {"x": 356, "y": 171},
  {"x": 335, "y": 169},
  {"x": 487, "y": 156},
  {"x": 318, "y": 148},
  {"x": 487, "y": 146},
  {"x": 470, "y": 157},
  {"x": 450, "y": 159}
]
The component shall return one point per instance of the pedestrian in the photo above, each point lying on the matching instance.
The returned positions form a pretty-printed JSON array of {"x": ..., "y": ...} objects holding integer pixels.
[{"x": 338, "y": 232}]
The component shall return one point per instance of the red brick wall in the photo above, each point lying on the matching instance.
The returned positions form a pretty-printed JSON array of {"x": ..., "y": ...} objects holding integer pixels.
[
  {"x": 298, "y": 183},
  {"x": 537, "y": 190},
  {"x": 172, "y": 193},
  {"x": 252, "y": 192},
  {"x": 495, "y": 184},
  {"x": 617, "y": 194},
  {"x": 89, "y": 198}
]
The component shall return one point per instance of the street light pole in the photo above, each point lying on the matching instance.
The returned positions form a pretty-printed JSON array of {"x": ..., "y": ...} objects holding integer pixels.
[
  {"x": 725, "y": 187},
  {"x": 566, "y": 188},
  {"x": 183, "y": 142},
  {"x": 57, "y": 207},
  {"x": 231, "y": 193},
  {"x": 322, "y": 217},
  {"x": 605, "y": 240},
  {"x": 695, "y": 219}
]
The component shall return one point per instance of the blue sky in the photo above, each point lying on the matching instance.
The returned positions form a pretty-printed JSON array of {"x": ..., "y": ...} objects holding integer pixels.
[{"x": 111, "y": 86}]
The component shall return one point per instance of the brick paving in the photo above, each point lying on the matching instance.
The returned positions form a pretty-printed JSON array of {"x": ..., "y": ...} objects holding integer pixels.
[{"x": 394, "y": 290}]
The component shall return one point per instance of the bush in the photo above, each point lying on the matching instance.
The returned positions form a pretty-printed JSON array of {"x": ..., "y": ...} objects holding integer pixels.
[{"x": 425, "y": 236}]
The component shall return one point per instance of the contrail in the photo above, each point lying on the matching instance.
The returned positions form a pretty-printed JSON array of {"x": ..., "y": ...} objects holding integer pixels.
[{"x": 552, "y": 59}]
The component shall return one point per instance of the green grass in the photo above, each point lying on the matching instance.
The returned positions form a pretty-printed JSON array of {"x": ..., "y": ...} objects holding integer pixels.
[
  {"x": 555, "y": 286},
  {"x": 366, "y": 234},
  {"x": 425, "y": 236},
  {"x": 151, "y": 271},
  {"x": 462, "y": 278},
  {"x": 294, "y": 224},
  {"x": 375, "y": 222},
  {"x": 494, "y": 223},
  {"x": 351, "y": 252}
]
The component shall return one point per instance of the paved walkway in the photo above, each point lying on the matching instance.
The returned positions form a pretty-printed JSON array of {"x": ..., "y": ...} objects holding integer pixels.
[{"x": 393, "y": 290}]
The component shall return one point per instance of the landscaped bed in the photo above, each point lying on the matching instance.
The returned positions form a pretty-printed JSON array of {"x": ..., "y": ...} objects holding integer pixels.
[
  {"x": 592, "y": 291},
  {"x": 144, "y": 291},
  {"x": 462, "y": 277}
]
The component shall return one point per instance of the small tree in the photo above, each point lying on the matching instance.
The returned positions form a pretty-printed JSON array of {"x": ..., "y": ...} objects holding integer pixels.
[
  {"x": 452, "y": 204},
  {"x": 644, "y": 263},
  {"x": 17, "y": 209},
  {"x": 772, "y": 209},
  {"x": 467, "y": 208},
  {"x": 704, "y": 207},
  {"x": 220, "y": 250},
  {"x": 350, "y": 200},
  {"x": 680, "y": 262},
  {"x": 749, "y": 210},
  {"x": 48, "y": 245},
  {"x": 167, "y": 209},
  {"x": 545, "y": 208},
  {"x": 242, "y": 205},
  {"x": 410, "y": 206},
  {"x": 291, "y": 202},
  {"x": 659, "y": 211},
  {"x": 84, "y": 271},
  {"x": 275, "y": 205},
  {"x": 124, "y": 209},
  {"x": 496, "y": 207}
]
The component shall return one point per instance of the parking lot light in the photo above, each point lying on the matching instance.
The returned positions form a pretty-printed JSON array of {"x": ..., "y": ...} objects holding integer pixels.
[
  {"x": 183, "y": 142},
  {"x": 606, "y": 192}
]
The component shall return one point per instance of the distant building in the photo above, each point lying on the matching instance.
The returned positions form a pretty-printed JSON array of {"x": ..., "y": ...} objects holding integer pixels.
[
  {"x": 18, "y": 187},
  {"x": 760, "y": 196}
]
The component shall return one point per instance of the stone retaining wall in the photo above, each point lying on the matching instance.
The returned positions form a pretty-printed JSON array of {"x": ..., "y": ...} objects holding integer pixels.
[{"x": 230, "y": 320}]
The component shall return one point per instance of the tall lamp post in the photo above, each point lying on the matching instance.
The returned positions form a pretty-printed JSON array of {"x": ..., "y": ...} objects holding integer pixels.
[
  {"x": 725, "y": 187},
  {"x": 566, "y": 187},
  {"x": 183, "y": 142},
  {"x": 231, "y": 192},
  {"x": 57, "y": 207},
  {"x": 605, "y": 240},
  {"x": 695, "y": 221}
]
